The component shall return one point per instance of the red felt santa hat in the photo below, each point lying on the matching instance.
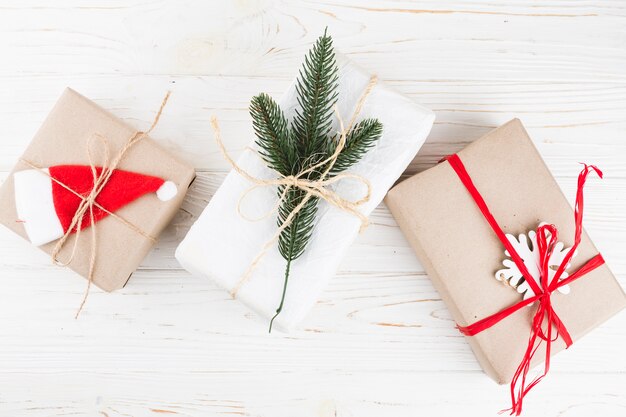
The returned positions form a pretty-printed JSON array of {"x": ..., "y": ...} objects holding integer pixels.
[{"x": 47, "y": 208}]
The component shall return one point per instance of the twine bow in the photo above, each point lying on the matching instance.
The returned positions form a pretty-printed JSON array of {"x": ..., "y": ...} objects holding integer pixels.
[
  {"x": 88, "y": 201},
  {"x": 313, "y": 188}
]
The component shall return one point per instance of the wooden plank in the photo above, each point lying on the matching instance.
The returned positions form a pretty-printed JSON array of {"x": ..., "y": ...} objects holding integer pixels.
[
  {"x": 430, "y": 40},
  {"x": 567, "y": 121},
  {"x": 312, "y": 393}
]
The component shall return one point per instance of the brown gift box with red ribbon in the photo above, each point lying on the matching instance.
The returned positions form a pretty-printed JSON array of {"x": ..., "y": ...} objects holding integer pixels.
[
  {"x": 461, "y": 252},
  {"x": 41, "y": 197}
]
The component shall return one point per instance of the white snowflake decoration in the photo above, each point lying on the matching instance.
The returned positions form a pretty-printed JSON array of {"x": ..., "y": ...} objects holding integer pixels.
[{"x": 529, "y": 253}]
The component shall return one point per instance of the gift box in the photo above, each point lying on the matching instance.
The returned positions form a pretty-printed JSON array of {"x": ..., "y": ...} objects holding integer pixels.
[
  {"x": 466, "y": 260},
  {"x": 222, "y": 243},
  {"x": 58, "y": 173}
]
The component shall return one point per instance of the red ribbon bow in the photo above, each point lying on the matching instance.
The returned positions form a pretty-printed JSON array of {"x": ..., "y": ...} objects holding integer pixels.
[{"x": 546, "y": 239}]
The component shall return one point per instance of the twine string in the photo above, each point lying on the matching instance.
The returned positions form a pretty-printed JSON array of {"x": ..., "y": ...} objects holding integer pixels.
[
  {"x": 313, "y": 188},
  {"x": 88, "y": 202}
]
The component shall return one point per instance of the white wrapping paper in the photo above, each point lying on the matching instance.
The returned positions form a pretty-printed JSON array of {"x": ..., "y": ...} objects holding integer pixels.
[{"x": 221, "y": 244}]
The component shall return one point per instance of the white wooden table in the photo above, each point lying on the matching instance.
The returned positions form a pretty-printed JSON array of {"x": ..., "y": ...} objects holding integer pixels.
[{"x": 380, "y": 342}]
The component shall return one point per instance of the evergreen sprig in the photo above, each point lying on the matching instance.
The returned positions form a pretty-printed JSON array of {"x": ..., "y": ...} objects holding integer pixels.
[{"x": 291, "y": 148}]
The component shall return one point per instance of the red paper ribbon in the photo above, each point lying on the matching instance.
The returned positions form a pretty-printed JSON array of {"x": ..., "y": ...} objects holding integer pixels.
[{"x": 546, "y": 239}]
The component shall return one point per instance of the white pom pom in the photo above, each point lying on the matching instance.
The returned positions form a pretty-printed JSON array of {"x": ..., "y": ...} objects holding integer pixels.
[{"x": 167, "y": 191}]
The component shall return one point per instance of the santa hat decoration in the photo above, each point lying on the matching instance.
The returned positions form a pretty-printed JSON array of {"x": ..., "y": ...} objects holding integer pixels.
[{"x": 47, "y": 208}]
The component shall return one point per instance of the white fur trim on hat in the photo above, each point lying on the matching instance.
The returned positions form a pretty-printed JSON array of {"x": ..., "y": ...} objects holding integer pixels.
[{"x": 35, "y": 206}]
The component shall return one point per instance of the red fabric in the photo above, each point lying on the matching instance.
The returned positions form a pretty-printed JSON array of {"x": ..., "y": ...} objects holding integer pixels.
[
  {"x": 122, "y": 188},
  {"x": 546, "y": 239}
]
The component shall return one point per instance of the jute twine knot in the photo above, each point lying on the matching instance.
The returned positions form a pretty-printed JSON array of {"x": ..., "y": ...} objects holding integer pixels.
[
  {"x": 88, "y": 201},
  {"x": 318, "y": 188}
]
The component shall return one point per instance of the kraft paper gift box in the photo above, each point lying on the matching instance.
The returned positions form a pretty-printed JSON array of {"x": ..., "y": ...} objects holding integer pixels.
[
  {"x": 461, "y": 253},
  {"x": 145, "y": 192},
  {"x": 221, "y": 244}
]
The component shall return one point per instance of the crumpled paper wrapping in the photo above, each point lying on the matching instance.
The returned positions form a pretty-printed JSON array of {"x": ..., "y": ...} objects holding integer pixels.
[{"x": 221, "y": 244}]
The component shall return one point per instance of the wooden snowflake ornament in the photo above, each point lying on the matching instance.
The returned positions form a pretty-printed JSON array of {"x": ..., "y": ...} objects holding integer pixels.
[{"x": 526, "y": 247}]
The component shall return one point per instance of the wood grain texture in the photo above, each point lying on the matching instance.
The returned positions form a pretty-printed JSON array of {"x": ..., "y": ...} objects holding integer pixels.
[{"x": 380, "y": 342}]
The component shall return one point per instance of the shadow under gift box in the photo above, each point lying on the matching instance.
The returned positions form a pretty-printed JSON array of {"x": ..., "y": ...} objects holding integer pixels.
[
  {"x": 63, "y": 140},
  {"x": 461, "y": 253},
  {"x": 222, "y": 244}
]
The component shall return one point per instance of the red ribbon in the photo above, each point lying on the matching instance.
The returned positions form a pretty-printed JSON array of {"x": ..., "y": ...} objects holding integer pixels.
[{"x": 546, "y": 239}]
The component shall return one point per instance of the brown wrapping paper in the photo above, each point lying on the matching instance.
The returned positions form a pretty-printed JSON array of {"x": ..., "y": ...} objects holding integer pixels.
[
  {"x": 62, "y": 139},
  {"x": 461, "y": 253}
]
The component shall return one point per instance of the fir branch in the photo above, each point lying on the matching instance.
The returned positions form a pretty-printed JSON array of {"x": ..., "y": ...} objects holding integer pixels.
[
  {"x": 273, "y": 136},
  {"x": 291, "y": 149},
  {"x": 316, "y": 89},
  {"x": 292, "y": 242},
  {"x": 294, "y": 239},
  {"x": 359, "y": 140}
]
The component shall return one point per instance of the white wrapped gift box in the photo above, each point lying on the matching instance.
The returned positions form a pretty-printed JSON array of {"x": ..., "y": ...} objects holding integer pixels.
[{"x": 222, "y": 244}]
